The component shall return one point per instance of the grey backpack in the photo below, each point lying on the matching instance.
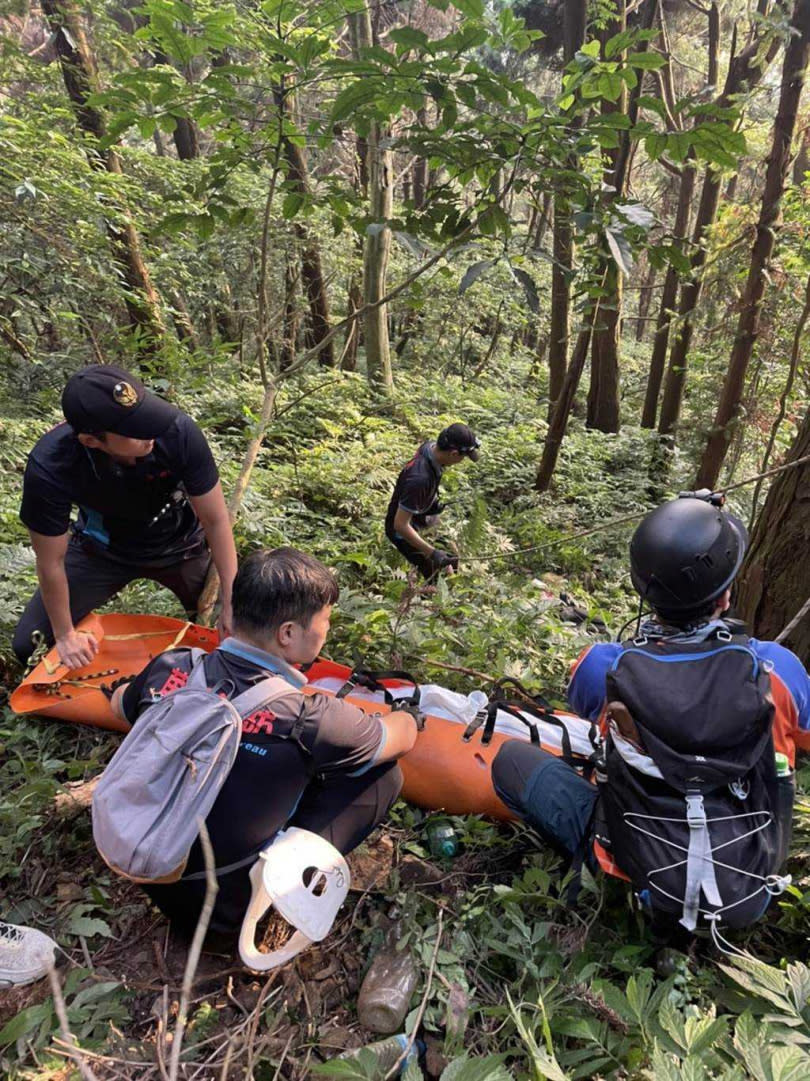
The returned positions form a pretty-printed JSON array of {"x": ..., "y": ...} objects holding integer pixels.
[{"x": 164, "y": 778}]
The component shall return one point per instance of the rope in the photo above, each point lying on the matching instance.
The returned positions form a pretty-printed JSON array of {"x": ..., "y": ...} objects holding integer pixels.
[
  {"x": 50, "y": 667},
  {"x": 487, "y": 557},
  {"x": 805, "y": 608}
]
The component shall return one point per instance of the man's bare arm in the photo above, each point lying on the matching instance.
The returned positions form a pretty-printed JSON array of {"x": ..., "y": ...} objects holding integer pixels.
[{"x": 74, "y": 649}]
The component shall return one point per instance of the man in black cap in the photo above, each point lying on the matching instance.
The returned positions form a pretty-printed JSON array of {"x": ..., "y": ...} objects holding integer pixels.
[
  {"x": 150, "y": 506},
  {"x": 415, "y": 504}
]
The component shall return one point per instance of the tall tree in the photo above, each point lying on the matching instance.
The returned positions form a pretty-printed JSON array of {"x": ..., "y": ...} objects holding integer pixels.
[
  {"x": 377, "y": 245},
  {"x": 80, "y": 76},
  {"x": 773, "y": 582},
  {"x": 603, "y": 393},
  {"x": 313, "y": 281},
  {"x": 794, "y": 67},
  {"x": 575, "y": 17},
  {"x": 744, "y": 71}
]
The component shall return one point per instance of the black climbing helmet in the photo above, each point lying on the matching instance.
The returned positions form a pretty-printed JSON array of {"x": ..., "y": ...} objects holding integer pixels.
[{"x": 686, "y": 554}]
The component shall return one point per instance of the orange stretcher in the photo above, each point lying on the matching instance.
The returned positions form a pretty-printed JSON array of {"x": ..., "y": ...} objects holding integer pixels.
[{"x": 444, "y": 770}]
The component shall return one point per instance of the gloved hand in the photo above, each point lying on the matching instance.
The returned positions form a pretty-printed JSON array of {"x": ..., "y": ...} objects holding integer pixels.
[
  {"x": 440, "y": 560},
  {"x": 415, "y": 712},
  {"x": 109, "y": 689}
]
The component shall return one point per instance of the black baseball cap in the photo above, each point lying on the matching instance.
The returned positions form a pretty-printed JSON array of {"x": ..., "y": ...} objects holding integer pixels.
[
  {"x": 459, "y": 437},
  {"x": 103, "y": 398}
]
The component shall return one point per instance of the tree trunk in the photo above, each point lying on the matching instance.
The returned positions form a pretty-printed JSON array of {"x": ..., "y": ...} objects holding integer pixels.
[
  {"x": 292, "y": 314},
  {"x": 81, "y": 81},
  {"x": 644, "y": 297},
  {"x": 744, "y": 72},
  {"x": 378, "y": 234},
  {"x": 729, "y": 410},
  {"x": 603, "y": 393},
  {"x": 564, "y": 403},
  {"x": 185, "y": 138},
  {"x": 312, "y": 278},
  {"x": 603, "y": 396},
  {"x": 802, "y": 163},
  {"x": 775, "y": 581},
  {"x": 575, "y": 16},
  {"x": 669, "y": 297},
  {"x": 420, "y": 168}
]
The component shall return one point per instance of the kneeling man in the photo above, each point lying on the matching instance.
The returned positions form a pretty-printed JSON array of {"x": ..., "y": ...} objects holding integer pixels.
[{"x": 313, "y": 761}]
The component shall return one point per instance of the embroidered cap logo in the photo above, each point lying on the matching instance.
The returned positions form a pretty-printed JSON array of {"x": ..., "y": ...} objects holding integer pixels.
[{"x": 125, "y": 395}]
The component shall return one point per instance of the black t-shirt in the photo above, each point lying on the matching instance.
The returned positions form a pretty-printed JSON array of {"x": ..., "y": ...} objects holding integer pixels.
[
  {"x": 137, "y": 514},
  {"x": 271, "y": 772},
  {"x": 416, "y": 488}
]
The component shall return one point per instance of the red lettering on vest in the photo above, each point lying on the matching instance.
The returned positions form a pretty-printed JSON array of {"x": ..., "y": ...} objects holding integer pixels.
[
  {"x": 260, "y": 722},
  {"x": 176, "y": 680}
]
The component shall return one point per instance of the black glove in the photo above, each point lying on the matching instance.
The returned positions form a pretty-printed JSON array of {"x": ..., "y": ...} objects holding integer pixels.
[
  {"x": 109, "y": 689},
  {"x": 441, "y": 559},
  {"x": 415, "y": 712}
]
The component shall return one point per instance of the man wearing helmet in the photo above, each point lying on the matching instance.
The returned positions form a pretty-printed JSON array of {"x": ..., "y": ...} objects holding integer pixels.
[
  {"x": 684, "y": 558},
  {"x": 415, "y": 502}
]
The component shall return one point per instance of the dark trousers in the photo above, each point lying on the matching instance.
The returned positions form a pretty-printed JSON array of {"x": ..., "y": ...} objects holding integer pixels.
[
  {"x": 342, "y": 809},
  {"x": 548, "y": 794},
  {"x": 413, "y": 555},
  {"x": 93, "y": 579}
]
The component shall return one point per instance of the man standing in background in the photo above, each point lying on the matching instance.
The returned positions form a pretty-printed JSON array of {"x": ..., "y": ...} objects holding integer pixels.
[{"x": 415, "y": 504}]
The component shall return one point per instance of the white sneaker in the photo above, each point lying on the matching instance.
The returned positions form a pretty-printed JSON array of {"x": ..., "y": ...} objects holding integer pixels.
[{"x": 25, "y": 954}]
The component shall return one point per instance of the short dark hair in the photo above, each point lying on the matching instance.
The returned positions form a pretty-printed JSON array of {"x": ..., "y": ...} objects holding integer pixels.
[
  {"x": 279, "y": 586},
  {"x": 684, "y": 619}
]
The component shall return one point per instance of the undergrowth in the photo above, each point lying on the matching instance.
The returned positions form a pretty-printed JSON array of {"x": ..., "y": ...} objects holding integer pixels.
[{"x": 521, "y": 986}]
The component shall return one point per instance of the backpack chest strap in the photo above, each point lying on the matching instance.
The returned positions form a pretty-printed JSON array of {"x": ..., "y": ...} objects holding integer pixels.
[{"x": 700, "y": 876}]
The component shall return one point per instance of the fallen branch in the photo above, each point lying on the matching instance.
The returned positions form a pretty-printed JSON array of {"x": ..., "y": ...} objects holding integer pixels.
[
  {"x": 211, "y": 890},
  {"x": 67, "y": 1036},
  {"x": 74, "y": 798}
]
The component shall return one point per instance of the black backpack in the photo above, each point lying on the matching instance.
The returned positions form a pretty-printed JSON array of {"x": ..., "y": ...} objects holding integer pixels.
[{"x": 695, "y": 812}]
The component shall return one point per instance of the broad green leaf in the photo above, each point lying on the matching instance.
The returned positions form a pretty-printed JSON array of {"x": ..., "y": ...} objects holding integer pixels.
[{"x": 647, "y": 61}]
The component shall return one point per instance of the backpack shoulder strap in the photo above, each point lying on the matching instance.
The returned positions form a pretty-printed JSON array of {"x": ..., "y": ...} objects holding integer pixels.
[
  {"x": 196, "y": 677},
  {"x": 260, "y": 694}
]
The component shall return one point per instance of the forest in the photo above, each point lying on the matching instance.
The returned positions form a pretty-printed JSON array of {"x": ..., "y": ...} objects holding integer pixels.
[{"x": 327, "y": 229}]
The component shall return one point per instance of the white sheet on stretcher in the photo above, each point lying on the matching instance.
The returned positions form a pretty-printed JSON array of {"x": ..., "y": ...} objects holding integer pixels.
[{"x": 440, "y": 702}]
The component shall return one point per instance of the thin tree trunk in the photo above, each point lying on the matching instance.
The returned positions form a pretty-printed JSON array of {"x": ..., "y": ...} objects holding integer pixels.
[
  {"x": 669, "y": 297},
  {"x": 802, "y": 163},
  {"x": 644, "y": 297},
  {"x": 81, "y": 81},
  {"x": 603, "y": 396},
  {"x": 292, "y": 314},
  {"x": 378, "y": 234},
  {"x": 312, "y": 277},
  {"x": 728, "y": 413},
  {"x": 744, "y": 72},
  {"x": 562, "y": 407},
  {"x": 575, "y": 16},
  {"x": 420, "y": 168}
]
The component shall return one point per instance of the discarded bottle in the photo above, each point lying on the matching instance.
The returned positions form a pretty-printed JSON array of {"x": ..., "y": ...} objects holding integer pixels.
[
  {"x": 387, "y": 1053},
  {"x": 442, "y": 839},
  {"x": 385, "y": 994},
  {"x": 782, "y": 765}
]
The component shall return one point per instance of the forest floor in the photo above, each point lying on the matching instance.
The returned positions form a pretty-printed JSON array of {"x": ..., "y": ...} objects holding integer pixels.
[{"x": 550, "y": 991}]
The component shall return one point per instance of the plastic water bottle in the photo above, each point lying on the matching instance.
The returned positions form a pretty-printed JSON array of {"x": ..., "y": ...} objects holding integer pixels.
[
  {"x": 387, "y": 1053},
  {"x": 477, "y": 701},
  {"x": 442, "y": 839},
  {"x": 385, "y": 994},
  {"x": 782, "y": 765}
]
